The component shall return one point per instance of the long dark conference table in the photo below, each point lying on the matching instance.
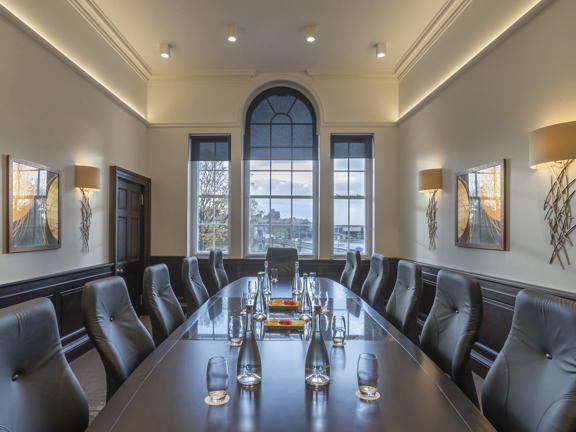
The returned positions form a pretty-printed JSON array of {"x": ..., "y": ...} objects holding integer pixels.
[{"x": 166, "y": 392}]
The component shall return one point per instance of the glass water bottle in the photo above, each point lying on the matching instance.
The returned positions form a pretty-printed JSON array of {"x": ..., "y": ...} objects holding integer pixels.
[
  {"x": 260, "y": 303},
  {"x": 249, "y": 368},
  {"x": 296, "y": 284},
  {"x": 305, "y": 301},
  {"x": 317, "y": 372},
  {"x": 267, "y": 288}
]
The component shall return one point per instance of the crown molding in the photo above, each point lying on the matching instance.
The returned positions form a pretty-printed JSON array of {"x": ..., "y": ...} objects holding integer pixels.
[
  {"x": 102, "y": 24},
  {"x": 373, "y": 75},
  {"x": 436, "y": 28},
  {"x": 203, "y": 75},
  {"x": 214, "y": 125}
]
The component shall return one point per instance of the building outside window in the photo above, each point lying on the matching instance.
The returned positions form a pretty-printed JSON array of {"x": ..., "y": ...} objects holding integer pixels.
[
  {"x": 210, "y": 156},
  {"x": 352, "y": 157},
  {"x": 281, "y": 157}
]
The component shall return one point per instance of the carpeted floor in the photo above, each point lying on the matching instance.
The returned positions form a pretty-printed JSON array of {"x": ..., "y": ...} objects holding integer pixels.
[{"x": 90, "y": 372}]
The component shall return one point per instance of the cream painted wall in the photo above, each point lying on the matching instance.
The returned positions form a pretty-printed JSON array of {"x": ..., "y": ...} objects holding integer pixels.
[
  {"x": 477, "y": 26},
  {"x": 488, "y": 114},
  {"x": 221, "y": 99},
  {"x": 168, "y": 169},
  {"x": 62, "y": 26},
  {"x": 50, "y": 115}
]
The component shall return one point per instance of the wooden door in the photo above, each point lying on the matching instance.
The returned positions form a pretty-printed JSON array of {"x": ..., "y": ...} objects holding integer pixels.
[{"x": 130, "y": 230}]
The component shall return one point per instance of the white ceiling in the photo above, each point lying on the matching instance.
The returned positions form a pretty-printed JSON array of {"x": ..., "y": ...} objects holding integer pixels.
[{"x": 271, "y": 33}]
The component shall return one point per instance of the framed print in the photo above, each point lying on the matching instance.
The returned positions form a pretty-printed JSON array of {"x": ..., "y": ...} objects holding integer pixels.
[
  {"x": 480, "y": 206},
  {"x": 34, "y": 206}
]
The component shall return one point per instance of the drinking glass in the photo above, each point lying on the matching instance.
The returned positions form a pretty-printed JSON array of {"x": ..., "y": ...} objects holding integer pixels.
[
  {"x": 368, "y": 374},
  {"x": 313, "y": 277},
  {"x": 252, "y": 288},
  {"x": 274, "y": 274},
  {"x": 324, "y": 301},
  {"x": 244, "y": 300},
  {"x": 338, "y": 330},
  {"x": 315, "y": 293},
  {"x": 217, "y": 378},
  {"x": 235, "y": 330}
]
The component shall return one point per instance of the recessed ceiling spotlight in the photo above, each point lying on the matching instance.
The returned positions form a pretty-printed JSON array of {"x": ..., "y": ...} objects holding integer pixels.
[
  {"x": 165, "y": 50},
  {"x": 311, "y": 33},
  {"x": 231, "y": 32},
  {"x": 381, "y": 49}
]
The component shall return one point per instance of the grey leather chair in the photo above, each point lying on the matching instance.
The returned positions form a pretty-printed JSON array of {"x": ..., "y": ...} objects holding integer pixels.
[
  {"x": 217, "y": 271},
  {"x": 452, "y": 326},
  {"x": 402, "y": 308},
  {"x": 115, "y": 330},
  {"x": 532, "y": 384},
  {"x": 373, "y": 288},
  {"x": 283, "y": 259},
  {"x": 165, "y": 311},
  {"x": 351, "y": 273},
  {"x": 39, "y": 392},
  {"x": 194, "y": 289}
]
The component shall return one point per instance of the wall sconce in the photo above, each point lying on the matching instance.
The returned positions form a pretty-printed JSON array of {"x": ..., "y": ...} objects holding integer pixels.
[
  {"x": 87, "y": 179},
  {"x": 555, "y": 146},
  {"x": 431, "y": 181}
]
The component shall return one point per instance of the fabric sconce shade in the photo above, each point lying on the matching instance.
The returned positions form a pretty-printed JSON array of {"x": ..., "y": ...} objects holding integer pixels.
[
  {"x": 430, "y": 180},
  {"x": 88, "y": 177},
  {"x": 553, "y": 143}
]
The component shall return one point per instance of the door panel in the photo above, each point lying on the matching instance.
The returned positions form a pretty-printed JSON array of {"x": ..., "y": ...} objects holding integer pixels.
[{"x": 129, "y": 237}]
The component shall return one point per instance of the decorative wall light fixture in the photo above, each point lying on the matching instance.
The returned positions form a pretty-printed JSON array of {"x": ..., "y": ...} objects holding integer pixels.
[
  {"x": 164, "y": 50},
  {"x": 555, "y": 146},
  {"x": 87, "y": 179},
  {"x": 431, "y": 181}
]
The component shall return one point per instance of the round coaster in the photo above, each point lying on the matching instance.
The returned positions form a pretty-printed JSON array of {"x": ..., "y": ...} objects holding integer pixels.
[
  {"x": 375, "y": 397},
  {"x": 226, "y": 399},
  {"x": 232, "y": 345},
  {"x": 337, "y": 346}
]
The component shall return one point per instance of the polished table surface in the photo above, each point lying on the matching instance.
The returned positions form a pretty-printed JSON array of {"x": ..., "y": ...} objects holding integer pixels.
[{"x": 166, "y": 393}]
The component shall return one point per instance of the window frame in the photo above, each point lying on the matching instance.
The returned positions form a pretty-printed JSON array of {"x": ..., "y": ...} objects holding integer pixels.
[
  {"x": 280, "y": 91},
  {"x": 194, "y": 195},
  {"x": 247, "y": 197},
  {"x": 369, "y": 198}
]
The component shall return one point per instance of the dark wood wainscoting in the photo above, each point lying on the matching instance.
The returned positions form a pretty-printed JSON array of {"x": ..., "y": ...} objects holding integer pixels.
[
  {"x": 499, "y": 299},
  {"x": 64, "y": 290},
  {"x": 499, "y": 295},
  {"x": 238, "y": 268}
]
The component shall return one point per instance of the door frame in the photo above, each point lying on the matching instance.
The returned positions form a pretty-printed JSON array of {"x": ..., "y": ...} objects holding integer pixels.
[{"x": 117, "y": 173}]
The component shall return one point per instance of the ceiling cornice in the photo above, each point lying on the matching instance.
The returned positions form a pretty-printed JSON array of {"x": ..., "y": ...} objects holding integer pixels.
[
  {"x": 202, "y": 75},
  {"x": 98, "y": 19},
  {"x": 439, "y": 24},
  {"x": 373, "y": 75}
]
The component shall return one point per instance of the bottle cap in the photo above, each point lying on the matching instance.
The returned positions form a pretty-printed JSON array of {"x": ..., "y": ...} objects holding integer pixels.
[
  {"x": 265, "y": 263},
  {"x": 317, "y": 309},
  {"x": 305, "y": 276},
  {"x": 249, "y": 308}
]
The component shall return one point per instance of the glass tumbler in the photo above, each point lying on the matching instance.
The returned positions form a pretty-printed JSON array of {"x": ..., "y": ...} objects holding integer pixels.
[
  {"x": 235, "y": 330},
  {"x": 244, "y": 300},
  {"x": 338, "y": 330},
  {"x": 274, "y": 274},
  {"x": 368, "y": 374},
  {"x": 217, "y": 378}
]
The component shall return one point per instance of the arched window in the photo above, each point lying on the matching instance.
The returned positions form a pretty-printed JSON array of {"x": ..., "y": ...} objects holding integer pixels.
[{"x": 281, "y": 154}]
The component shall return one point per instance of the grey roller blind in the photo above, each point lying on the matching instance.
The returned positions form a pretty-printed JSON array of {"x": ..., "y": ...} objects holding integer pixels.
[
  {"x": 209, "y": 148},
  {"x": 281, "y": 125},
  {"x": 351, "y": 146}
]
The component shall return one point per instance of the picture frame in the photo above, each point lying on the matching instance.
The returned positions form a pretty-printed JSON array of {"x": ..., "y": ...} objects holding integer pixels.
[
  {"x": 34, "y": 206},
  {"x": 481, "y": 206}
]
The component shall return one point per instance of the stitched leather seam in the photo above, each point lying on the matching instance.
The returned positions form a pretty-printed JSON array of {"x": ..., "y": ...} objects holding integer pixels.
[
  {"x": 507, "y": 390},
  {"x": 568, "y": 396}
]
